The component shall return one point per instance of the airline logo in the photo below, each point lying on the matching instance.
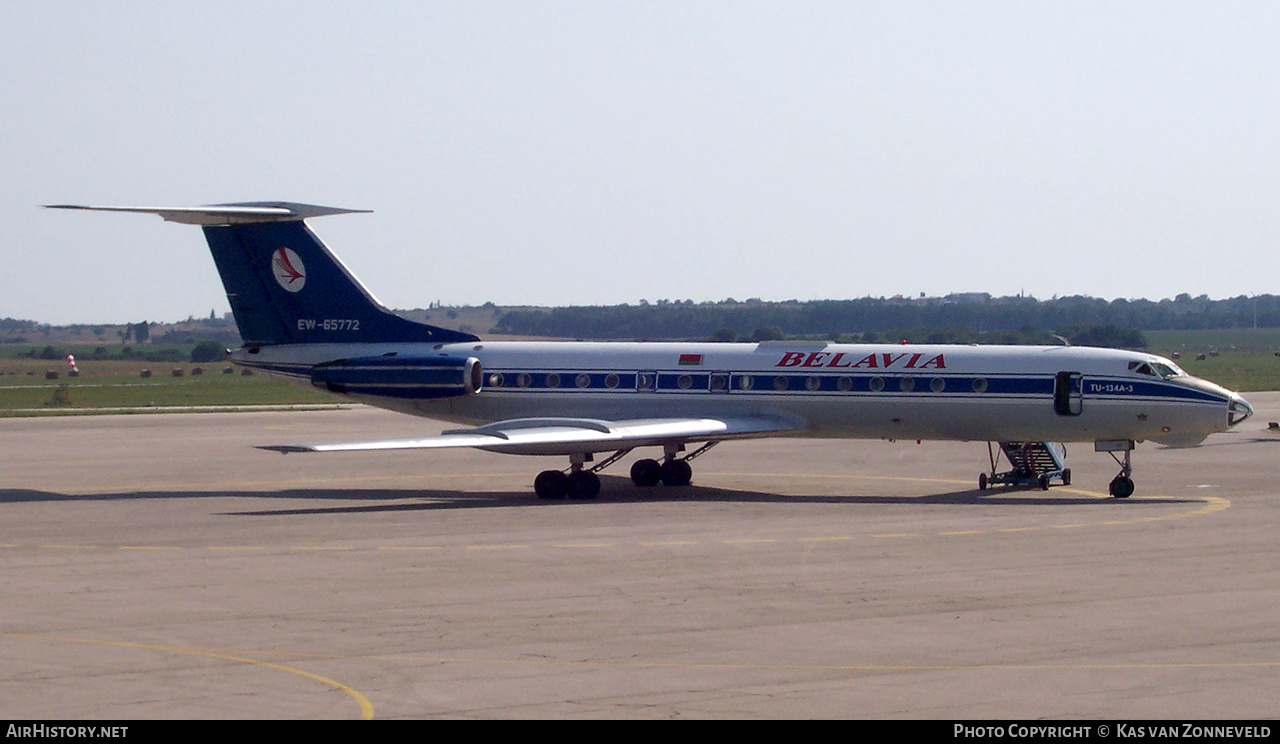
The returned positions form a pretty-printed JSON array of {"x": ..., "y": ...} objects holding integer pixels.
[
  {"x": 288, "y": 269},
  {"x": 870, "y": 361}
]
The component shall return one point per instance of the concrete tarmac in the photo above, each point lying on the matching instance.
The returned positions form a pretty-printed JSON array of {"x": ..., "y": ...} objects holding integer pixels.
[{"x": 157, "y": 566}]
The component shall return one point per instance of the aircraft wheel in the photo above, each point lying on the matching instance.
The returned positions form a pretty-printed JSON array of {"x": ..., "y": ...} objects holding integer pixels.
[
  {"x": 551, "y": 484},
  {"x": 1122, "y": 487},
  {"x": 676, "y": 473},
  {"x": 1066, "y": 476},
  {"x": 982, "y": 481},
  {"x": 1043, "y": 481},
  {"x": 645, "y": 473},
  {"x": 583, "y": 485}
]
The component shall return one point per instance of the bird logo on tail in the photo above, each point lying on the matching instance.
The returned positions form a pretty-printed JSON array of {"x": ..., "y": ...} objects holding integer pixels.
[{"x": 288, "y": 269}]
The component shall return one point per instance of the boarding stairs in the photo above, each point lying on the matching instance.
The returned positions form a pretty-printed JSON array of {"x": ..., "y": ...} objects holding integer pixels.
[{"x": 1031, "y": 464}]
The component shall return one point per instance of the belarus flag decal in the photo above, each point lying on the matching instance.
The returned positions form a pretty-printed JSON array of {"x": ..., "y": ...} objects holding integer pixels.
[{"x": 690, "y": 359}]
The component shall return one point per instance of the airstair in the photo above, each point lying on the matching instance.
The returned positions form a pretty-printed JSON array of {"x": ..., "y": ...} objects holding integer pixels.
[{"x": 1031, "y": 464}]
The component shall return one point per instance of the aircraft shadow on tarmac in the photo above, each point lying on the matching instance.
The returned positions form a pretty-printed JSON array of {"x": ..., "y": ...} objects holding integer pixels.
[
  {"x": 1225, "y": 442},
  {"x": 616, "y": 490}
]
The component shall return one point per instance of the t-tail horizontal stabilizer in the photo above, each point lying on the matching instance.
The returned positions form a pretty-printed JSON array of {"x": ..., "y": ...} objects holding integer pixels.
[{"x": 242, "y": 213}]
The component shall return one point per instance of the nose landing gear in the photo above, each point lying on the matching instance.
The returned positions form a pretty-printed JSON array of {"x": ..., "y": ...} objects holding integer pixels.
[{"x": 1122, "y": 485}]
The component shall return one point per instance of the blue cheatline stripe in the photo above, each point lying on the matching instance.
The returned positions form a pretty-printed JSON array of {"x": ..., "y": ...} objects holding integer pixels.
[
  {"x": 770, "y": 383},
  {"x": 1004, "y": 387}
]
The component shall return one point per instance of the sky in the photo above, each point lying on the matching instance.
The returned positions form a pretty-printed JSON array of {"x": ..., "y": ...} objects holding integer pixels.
[{"x": 596, "y": 152}]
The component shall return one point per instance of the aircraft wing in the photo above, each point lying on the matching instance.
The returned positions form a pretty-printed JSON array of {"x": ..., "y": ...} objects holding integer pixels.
[{"x": 561, "y": 436}]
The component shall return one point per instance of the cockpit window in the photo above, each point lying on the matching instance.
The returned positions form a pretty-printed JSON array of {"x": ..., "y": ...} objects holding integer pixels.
[{"x": 1163, "y": 370}]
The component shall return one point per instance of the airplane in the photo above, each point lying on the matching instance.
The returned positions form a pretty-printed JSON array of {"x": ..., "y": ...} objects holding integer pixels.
[{"x": 304, "y": 317}]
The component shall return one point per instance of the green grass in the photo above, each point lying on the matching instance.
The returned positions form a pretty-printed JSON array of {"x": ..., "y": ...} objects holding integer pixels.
[
  {"x": 1226, "y": 339},
  {"x": 1241, "y": 359},
  {"x": 1242, "y": 371},
  {"x": 85, "y": 351},
  {"x": 115, "y": 384}
]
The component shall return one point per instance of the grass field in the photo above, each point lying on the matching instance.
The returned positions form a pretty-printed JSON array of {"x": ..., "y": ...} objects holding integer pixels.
[
  {"x": 25, "y": 391},
  {"x": 1242, "y": 371},
  {"x": 1226, "y": 339},
  {"x": 1242, "y": 359}
]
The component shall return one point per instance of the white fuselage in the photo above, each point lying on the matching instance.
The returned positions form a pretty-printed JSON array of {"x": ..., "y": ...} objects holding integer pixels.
[{"x": 978, "y": 393}]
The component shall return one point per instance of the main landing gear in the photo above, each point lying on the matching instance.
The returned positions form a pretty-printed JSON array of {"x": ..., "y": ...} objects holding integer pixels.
[
  {"x": 670, "y": 472},
  {"x": 582, "y": 483},
  {"x": 577, "y": 484}
]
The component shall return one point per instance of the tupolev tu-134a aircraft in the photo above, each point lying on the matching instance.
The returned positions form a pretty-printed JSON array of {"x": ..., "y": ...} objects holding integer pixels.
[{"x": 305, "y": 317}]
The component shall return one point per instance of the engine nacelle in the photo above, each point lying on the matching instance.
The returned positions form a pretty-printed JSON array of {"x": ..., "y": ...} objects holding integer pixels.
[{"x": 401, "y": 376}]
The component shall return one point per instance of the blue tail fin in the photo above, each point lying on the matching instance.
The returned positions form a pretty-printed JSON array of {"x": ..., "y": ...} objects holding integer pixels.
[{"x": 284, "y": 285}]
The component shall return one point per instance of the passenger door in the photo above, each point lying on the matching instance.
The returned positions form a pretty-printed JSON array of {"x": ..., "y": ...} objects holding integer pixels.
[{"x": 1068, "y": 393}]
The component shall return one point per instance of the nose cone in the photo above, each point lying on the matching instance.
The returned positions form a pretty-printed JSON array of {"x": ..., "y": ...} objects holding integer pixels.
[{"x": 1238, "y": 410}]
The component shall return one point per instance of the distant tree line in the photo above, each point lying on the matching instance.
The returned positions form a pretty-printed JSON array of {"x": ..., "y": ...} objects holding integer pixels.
[
  {"x": 139, "y": 332},
  {"x": 958, "y": 319},
  {"x": 16, "y": 324},
  {"x": 967, "y": 318}
]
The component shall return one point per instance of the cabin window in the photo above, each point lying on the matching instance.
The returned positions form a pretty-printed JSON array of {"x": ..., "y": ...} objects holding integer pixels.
[
  {"x": 980, "y": 385},
  {"x": 495, "y": 380},
  {"x": 685, "y": 382},
  {"x": 906, "y": 384},
  {"x": 845, "y": 384},
  {"x": 719, "y": 381},
  {"x": 937, "y": 384},
  {"x": 611, "y": 381},
  {"x": 812, "y": 383},
  {"x": 583, "y": 380},
  {"x": 746, "y": 382},
  {"x": 779, "y": 383},
  {"x": 524, "y": 380},
  {"x": 553, "y": 380},
  {"x": 876, "y": 384}
]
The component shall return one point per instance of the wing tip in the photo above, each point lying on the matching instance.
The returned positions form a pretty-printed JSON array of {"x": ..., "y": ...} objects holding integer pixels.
[{"x": 285, "y": 449}]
